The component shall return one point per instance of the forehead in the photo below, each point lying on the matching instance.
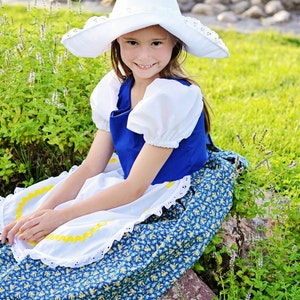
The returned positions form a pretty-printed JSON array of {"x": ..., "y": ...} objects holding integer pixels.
[{"x": 155, "y": 31}]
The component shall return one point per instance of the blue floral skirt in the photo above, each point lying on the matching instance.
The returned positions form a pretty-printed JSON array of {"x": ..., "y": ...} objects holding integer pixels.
[{"x": 146, "y": 262}]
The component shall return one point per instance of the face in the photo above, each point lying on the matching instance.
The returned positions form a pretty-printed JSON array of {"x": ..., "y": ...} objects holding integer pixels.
[{"x": 146, "y": 52}]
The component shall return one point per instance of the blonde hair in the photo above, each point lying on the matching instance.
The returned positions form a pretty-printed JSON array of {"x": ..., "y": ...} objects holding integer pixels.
[{"x": 173, "y": 70}]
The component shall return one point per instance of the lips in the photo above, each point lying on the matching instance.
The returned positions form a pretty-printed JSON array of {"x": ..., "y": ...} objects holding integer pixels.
[{"x": 144, "y": 67}]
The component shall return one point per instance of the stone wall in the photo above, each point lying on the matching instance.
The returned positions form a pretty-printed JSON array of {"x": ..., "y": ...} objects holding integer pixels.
[{"x": 268, "y": 11}]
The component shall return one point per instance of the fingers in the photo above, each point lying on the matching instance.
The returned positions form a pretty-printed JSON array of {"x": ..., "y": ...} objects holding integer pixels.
[
  {"x": 32, "y": 228},
  {"x": 9, "y": 232},
  {"x": 31, "y": 222},
  {"x": 33, "y": 234},
  {"x": 5, "y": 232},
  {"x": 31, "y": 231}
]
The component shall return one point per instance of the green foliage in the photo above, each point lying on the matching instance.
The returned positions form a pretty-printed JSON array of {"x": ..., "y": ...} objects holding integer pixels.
[
  {"x": 46, "y": 124},
  {"x": 271, "y": 269},
  {"x": 254, "y": 95},
  {"x": 46, "y": 127}
]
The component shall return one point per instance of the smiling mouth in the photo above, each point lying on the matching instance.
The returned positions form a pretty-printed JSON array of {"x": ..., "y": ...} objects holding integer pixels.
[{"x": 145, "y": 67}]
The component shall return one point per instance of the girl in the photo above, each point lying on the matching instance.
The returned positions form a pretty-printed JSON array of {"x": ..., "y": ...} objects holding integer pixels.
[{"x": 140, "y": 209}]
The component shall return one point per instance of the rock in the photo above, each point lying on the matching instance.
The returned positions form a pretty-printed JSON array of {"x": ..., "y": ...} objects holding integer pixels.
[
  {"x": 254, "y": 12},
  {"x": 186, "y": 5},
  {"x": 189, "y": 287},
  {"x": 273, "y": 7},
  {"x": 212, "y": 2},
  {"x": 227, "y": 17},
  {"x": 219, "y": 8},
  {"x": 240, "y": 6},
  {"x": 256, "y": 2},
  {"x": 107, "y": 2},
  {"x": 226, "y": 2},
  {"x": 280, "y": 17},
  {"x": 290, "y": 4},
  {"x": 217, "y": 5},
  {"x": 203, "y": 9}
]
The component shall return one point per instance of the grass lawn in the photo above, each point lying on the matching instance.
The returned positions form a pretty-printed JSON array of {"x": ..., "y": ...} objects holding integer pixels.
[{"x": 255, "y": 99}]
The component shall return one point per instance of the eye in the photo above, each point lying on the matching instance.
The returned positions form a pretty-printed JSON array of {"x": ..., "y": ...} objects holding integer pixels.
[
  {"x": 156, "y": 43},
  {"x": 132, "y": 43}
]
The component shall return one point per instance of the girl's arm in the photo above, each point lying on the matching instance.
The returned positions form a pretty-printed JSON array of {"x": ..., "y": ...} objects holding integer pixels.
[
  {"x": 146, "y": 166},
  {"x": 96, "y": 161}
]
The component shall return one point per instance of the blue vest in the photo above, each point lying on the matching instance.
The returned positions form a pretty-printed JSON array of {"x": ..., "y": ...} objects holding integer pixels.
[{"x": 189, "y": 157}]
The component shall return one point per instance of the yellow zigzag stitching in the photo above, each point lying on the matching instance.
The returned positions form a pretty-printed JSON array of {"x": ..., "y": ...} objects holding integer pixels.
[
  {"x": 113, "y": 160},
  {"x": 169, "y": 184},
  {"x": 30, "y": 196},
  {"x": 77, "y": 238}
]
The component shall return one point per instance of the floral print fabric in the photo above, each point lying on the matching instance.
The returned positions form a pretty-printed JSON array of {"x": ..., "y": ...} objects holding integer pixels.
[{"x": 145, "y": 262}]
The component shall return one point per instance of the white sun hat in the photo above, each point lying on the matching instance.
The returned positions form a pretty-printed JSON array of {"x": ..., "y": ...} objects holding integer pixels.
[{"x": 129, "y": 15}]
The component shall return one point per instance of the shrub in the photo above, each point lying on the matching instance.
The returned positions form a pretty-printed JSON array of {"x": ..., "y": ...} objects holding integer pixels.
[{"x": 46, "y": 124}]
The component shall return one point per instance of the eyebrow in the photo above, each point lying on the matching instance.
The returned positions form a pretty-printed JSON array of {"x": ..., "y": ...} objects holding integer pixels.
[{"x": 153, "y": 39}]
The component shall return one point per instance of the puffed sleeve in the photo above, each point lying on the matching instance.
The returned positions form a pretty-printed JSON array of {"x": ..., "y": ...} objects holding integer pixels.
[
  {"x": 168, "y": 113},
  {"x": 104, "y": 100}
]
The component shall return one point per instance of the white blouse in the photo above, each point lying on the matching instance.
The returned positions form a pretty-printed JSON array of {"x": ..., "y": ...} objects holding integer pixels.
[{"x": 168, "y": 112}]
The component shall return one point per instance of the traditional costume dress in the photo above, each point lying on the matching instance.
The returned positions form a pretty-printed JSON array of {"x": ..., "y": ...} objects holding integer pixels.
[{"x": 141, "y": 247}]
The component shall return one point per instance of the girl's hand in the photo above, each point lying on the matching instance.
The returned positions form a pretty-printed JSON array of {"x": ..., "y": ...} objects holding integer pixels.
[
  {"x": 9, "y": 232},
  {"x": 41, "y": 224},
  {"x": 35, "y": 227}
]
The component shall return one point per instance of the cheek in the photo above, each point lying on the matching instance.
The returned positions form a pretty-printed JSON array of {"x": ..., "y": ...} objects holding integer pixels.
[
  {"x": 166, "y": 55},
  {"x": 127, "y": 54}
]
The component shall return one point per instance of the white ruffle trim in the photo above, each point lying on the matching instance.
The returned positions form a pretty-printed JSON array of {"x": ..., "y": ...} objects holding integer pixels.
[
  {"x": 20, "y": 253},
  {"x": 1, "y": 214}
]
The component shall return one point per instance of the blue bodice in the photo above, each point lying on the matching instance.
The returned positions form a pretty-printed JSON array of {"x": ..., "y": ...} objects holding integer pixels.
[{"x": 189, "y": 157}]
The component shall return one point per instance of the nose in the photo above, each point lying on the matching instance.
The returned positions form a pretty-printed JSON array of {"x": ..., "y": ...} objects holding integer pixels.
[{"x": 145, "y": 52}]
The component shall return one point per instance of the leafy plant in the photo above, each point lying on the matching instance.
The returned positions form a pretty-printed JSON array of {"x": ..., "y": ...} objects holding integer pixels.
[
  {"x": 46, "y": 124},
  {"x": 254, "y": 98}
]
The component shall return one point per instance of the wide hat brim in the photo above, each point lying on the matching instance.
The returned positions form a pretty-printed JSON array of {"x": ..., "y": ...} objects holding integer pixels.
[{"x": 96, "y": 37}]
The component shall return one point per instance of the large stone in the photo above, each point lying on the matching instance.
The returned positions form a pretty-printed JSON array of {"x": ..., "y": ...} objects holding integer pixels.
[
  {"x": 273, "y": 7},
  {"x": 189, "y": 287},
  {"x": 186, "y": 5},
  {"x": 240, "y": 7},
  {"x": 257, "y": 2},
  {"x": 212, "y": 2},
  {"x": 227, "y": 17},
  {"x": 280, "y": 17},
  {"x": 254, "y": 12},
  {"x": 291, "y": 4},
  {"x": 203, "y": 9}
]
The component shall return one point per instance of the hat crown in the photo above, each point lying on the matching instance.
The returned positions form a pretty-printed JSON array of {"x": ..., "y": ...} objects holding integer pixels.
[
  {"x": 131, "y": 7},
  {"x": 130, "y": 15}
]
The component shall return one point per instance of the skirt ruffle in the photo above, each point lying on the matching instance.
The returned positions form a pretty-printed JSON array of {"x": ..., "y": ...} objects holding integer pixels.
[
  {"x": 146, "y": 261},
  {"x": 86, "y": 239}
]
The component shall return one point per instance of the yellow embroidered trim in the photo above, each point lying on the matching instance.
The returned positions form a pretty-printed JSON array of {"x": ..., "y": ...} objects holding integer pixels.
[
  {"x": 30, "y": 196},
  {"x": 169, "y": 184},
  {"x": 113, "y": 160},
  {"x": 77, "y": 238},
  {"x": 32, "y": 243}
]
